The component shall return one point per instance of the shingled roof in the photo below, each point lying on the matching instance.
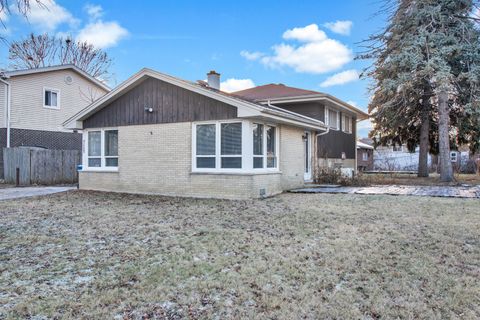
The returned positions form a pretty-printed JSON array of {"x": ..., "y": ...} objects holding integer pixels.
[{"x": 271, "y": 91}]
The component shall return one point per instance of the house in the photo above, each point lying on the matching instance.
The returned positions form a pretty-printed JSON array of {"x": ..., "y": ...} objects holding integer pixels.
[
  {"x": 35, "y": 102},
  {"x": 334, "y": 148},
  {"x": 364, "y": 156},
  {"x": 396, "y": 158},
  {"x": 159, "y": 134}
]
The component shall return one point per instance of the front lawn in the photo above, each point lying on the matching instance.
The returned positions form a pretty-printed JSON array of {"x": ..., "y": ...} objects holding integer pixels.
[{"x": 83, "y": 255}]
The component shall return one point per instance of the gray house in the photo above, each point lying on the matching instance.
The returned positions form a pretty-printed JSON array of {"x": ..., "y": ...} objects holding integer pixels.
[
  {"x": 35, "y": 102},
  {"x": 159, "y": 134}
]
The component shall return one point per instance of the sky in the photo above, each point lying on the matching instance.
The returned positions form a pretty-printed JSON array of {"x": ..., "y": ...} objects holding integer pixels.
[{"x": 306, "y": 44}]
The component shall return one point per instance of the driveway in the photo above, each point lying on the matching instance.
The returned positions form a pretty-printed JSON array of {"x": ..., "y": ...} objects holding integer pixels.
[
  {"x": 13, "y": 193},
  {"x": 425, "y": 191}
]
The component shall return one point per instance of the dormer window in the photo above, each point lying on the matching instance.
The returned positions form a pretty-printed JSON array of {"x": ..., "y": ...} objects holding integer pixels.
[{"x": 51, "y": 98}]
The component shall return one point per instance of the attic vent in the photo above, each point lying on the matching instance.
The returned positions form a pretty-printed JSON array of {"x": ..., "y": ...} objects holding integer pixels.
[{"x": 68, "y": 79}]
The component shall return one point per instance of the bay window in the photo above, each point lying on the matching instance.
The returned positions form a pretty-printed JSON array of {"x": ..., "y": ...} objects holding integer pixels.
[
  {"x": 102, "y": 149},
  {"x": 237, "y": 146}
]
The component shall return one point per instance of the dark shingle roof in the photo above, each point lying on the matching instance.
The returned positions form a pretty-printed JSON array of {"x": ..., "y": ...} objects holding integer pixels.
[{"x": 271, "y": 91}]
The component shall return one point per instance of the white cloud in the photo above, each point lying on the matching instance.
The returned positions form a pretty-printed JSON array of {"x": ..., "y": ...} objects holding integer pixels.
[
  {"x": 317, "y": 53},
  {"x": 340, "y": 26},
  {"x": 251, "y": 55},
  {"x": 49, "y": 15},
  {"x": 340, "y": 78},
  {"x": 365, "y": 125},
  {"x": 310, "y": 33},
  {"x": 232, "y": 84},
  {"x": 102, "y": 34},
  {"x": 95, "y": 12},
  {"x": 4, "y": 15}
]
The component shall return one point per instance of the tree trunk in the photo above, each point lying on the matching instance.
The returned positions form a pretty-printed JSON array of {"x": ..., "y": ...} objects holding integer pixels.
[
  {"x": 446, "y": 170},
  {"x": 424, "y": 141}
]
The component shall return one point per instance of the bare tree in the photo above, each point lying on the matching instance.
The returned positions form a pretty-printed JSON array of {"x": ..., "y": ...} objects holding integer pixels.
[
  {"x": 21, "y": 6},
  {"x": 38, "y": 51}
]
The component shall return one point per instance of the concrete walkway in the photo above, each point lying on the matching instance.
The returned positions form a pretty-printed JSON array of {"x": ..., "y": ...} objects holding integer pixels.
[
  {"x": 425, "y": 191},
  {"x": 22, "y": 192}
]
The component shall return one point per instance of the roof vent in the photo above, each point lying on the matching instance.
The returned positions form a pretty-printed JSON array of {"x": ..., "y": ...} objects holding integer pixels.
[
  {"x": 213, "y": 79},
  {"x": 68, "y": 79}
]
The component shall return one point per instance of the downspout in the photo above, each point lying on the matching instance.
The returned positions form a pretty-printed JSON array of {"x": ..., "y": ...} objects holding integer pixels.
[{"x": 8, "y": 95}]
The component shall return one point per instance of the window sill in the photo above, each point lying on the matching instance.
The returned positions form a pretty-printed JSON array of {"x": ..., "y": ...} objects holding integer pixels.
[
  {"x": 51, "y": 108},
  {"x": 103, "y": 170},
  {"x": 236, "y": 173}
]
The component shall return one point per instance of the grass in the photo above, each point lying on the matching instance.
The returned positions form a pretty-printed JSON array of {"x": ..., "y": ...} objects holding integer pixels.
[{"x": 82, "y": 255}]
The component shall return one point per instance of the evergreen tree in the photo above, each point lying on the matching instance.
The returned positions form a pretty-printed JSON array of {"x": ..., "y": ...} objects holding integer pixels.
[{"x": 426, "y": 78}]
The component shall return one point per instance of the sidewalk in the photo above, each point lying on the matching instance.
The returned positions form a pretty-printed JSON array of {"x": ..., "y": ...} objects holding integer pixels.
[
  {"x": 22, "y": 192},
  {"x": 425, "y": 191}
]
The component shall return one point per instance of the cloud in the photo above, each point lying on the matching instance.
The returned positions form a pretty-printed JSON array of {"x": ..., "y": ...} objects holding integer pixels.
[
  {"x": 95, "y": 12},
  {"x": 102, "y": 34},
  {"x": 251, "y": 55},
  {"x": 310, "y": 33},
  {"x": 365, "y": 125},
  {"x": 49, "y": 15},
  {"x": 316, "y": 54},
  {"x": 342, "y": 27},
  {"x": 4, "y": 15},
  {"x": 232, "y": 84},
  {"x": 340, "y": 78}
]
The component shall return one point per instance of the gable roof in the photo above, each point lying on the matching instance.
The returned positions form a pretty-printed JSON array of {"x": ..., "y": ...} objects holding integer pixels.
[
  {"x": 245, "y": 108},
  {"x": 13, "y": 73},
  {"x": 272, "y": 90},
  {"x": 282, "y": 94}
]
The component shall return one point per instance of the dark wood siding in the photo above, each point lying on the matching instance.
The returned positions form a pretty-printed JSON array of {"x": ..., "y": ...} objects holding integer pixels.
[
  {"x": 170, "y": 104},
  {"x": 333, "y": 143},
  {"x": 313, "y": 110}
]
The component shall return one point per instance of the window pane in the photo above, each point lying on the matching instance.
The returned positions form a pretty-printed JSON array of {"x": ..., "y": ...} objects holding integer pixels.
[
  {"x": 94, "y": 143},
  {"x": 257, "y": 162},
  {"x": 206, "y": 140},
  {"x": 54, "y": 99},
  {"x": 47, "y": 98},
  {"x": 205, "y": 162},
  {"x": 258, "y": 139},
  {"x": 111, "y": 162},
  {"x": 94, "y": 162},
  {"x": 232, "y": 163},
  {"x": 111, "y": 143},
  {"x": 271, "y": 145},
  {"x": 332, "y": 118},
  {"x": 231, "y": 139}
]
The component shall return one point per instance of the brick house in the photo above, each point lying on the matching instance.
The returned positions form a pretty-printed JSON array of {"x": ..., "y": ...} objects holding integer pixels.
[
  {"x": 35, "y": 102},
  {"x": 159, "y": 134}
]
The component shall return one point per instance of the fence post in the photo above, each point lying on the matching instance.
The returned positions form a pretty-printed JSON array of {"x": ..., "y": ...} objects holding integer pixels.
[{"x": 17, "y": 177}]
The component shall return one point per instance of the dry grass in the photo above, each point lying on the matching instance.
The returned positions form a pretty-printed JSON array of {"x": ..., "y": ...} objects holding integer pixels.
[
  {"x": 85, "y": 255},
  {"x": 412, "y": 179}
]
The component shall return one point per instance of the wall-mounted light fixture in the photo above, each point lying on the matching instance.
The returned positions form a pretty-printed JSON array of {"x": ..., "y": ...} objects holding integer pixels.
[
  {"x": 148, "y": 109},
  {"x": 304, "y": 137},
  {"x": 344, "y": 156}
]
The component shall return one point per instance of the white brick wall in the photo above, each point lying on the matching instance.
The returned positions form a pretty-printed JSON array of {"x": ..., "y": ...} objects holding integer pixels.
[{"x": 156, "y": 159}]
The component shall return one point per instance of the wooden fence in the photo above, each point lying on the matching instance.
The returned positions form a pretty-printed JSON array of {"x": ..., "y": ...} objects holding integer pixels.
[{"x": 40, "y": 166}]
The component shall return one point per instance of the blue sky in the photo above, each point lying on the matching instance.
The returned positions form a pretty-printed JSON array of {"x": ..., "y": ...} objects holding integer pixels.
[{"x": 307, "y": 44}]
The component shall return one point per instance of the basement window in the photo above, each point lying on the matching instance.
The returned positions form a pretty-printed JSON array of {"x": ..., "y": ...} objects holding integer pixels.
[{"x": 102, "y": 149}]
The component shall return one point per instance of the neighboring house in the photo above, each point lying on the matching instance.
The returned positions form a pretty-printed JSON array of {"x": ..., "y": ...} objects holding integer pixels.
[
  {"x": 159, "y": 134},
  {"x": 364, "y": 156},
  {"x": 396, "y": 158},
  {"x": 34, "y": 103}
]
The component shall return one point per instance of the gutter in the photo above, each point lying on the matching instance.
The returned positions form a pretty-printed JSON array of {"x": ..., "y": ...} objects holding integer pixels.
[{"x": 8, "y": 98}]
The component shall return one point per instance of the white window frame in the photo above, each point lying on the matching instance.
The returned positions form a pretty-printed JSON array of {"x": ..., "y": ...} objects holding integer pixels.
[
  {"x": 344, "y": 122},
  {"x": 327, "y": 118},
  {"x": 453, "y": 156},
  {"x": 247, "y": 148},
  {"x": 102, "y": 156},
  {"x": 57, "y": 91},
  {"x": 264, "y": 145},
  {"x": 365, "y": 155}
]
